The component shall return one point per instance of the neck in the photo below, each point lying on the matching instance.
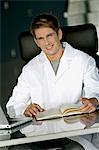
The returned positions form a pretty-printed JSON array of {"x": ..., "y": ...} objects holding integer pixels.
[{"x": 56, "y": 56}]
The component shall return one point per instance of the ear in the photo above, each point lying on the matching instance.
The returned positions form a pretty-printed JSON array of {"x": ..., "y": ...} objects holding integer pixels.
[{"x": 60, "y": 33}]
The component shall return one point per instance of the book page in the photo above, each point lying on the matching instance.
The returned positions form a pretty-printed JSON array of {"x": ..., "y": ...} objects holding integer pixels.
[
  {"x": 49, "y": 114},
  {"x": 70, "y": 109}
]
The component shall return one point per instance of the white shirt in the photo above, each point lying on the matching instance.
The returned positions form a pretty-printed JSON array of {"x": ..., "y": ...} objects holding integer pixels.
[{"x": 39, "y": 84}]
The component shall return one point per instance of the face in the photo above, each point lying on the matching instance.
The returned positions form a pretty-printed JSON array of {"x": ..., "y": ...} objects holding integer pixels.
[{"x": 49, "y": 41}]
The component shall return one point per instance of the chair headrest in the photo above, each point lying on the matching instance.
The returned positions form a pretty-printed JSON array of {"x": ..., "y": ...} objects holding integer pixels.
[
  {"x": 28, "y": 48},
  {"x": 83, "y": 37}
]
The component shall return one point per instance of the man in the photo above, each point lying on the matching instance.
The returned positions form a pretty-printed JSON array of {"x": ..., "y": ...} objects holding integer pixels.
[{"x": 59, "y": 74}]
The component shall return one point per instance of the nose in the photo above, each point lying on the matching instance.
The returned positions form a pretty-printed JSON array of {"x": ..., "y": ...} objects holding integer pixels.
[{"x": 46, "y": 41}]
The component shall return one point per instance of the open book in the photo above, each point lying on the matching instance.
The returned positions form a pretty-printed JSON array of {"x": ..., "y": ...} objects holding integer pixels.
[{"x": 63, "y": 111}]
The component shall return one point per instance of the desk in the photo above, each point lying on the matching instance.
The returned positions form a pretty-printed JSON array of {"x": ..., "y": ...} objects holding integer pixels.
[{"x": 87, "y": 125}]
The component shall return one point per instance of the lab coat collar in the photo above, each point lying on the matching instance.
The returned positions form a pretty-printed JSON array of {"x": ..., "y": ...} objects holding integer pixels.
[
  {"x": 68, "y": 53},
  {"x": 65, "y": 61}
]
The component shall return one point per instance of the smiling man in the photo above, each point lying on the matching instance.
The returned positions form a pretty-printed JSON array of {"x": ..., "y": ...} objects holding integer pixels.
[{"x": 54, "y": 77}]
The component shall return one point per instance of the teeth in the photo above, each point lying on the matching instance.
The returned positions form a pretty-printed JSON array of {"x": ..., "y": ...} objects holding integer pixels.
[{"x": 49, "y": 47}]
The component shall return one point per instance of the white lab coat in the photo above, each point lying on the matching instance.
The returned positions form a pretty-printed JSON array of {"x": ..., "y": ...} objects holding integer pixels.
[{"x": 39, "y": 84}]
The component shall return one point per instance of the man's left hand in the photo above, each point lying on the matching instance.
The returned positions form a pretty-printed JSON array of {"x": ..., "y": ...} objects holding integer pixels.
[{"x": 89, "y": 105}]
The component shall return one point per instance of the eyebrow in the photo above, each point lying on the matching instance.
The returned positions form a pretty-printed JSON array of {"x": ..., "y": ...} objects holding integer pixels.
[{"x": 46, "y": 35}]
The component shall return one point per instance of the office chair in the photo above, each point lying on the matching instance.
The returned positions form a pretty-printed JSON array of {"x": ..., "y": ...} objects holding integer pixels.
[{"x": 83, "y": 37}]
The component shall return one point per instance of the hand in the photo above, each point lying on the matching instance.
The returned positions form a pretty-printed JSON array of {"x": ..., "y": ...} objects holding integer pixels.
[
  {"x": 33, "y": 110},
  {"x": 89, "y": 105}
]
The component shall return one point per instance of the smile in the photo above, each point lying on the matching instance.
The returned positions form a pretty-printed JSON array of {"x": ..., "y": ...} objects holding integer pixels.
[{"x": 49, "y": 47}]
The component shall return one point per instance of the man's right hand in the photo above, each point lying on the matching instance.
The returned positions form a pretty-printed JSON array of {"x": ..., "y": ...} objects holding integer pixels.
[{"x": 32, "y": 110}]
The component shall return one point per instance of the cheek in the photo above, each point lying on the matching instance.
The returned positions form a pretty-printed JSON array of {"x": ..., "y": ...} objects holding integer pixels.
[
  {"x": 40, "y": 44},
  {"x": 57, "y": 41},
  {"x": 54, "y": 40}
]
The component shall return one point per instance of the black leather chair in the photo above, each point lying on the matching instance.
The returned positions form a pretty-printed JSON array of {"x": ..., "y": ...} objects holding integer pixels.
[{"x": 83, "y": 37}]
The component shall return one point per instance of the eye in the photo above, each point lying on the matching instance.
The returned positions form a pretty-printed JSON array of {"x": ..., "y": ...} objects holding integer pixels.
[
  {"x": 39, "y": 39},
  {"x": 50, "y": 34}
]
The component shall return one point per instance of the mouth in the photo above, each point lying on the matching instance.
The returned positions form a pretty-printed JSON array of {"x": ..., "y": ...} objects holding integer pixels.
[{"x": 49, "y": 47}]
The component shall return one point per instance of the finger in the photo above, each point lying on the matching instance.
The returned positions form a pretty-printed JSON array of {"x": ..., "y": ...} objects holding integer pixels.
[
  {"x": 33, "y": 110},
  {"x": 88, "y": 108},
  {"x": 39, "y": 107},
  {"x": 91, "y": 108},
  {"x": 27, "y": 113},
  {"x": 84, "y": 108},
  {"x": 30, "y": 113}
]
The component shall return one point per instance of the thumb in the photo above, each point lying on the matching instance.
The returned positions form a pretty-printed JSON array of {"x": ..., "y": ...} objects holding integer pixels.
[{"x": 83, "y": 100}]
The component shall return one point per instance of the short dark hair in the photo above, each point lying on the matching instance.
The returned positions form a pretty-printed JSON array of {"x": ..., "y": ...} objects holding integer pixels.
[{"x": 45, "y": 20}]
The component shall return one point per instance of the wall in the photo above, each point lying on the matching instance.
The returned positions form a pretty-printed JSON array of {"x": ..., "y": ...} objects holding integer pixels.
[{"x": 16, "y": 17}]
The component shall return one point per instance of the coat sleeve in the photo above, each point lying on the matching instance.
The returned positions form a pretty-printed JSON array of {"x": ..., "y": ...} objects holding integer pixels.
[
  {"x": 91, "y": 79},
  {"x": 20, "y": 96}
]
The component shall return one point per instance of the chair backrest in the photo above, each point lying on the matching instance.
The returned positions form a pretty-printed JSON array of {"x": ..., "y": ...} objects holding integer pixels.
[{"x": 83, "y": 37}]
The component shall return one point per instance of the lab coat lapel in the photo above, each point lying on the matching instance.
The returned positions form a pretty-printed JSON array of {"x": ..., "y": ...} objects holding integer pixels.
[
  {"x": 63, "y": 67},
  {"x": 65, "y": 61},
  {"x": 48, "y": 70}
]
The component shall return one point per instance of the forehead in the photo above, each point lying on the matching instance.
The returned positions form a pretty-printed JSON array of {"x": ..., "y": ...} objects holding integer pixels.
[{"x": 43, "y": 31}]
